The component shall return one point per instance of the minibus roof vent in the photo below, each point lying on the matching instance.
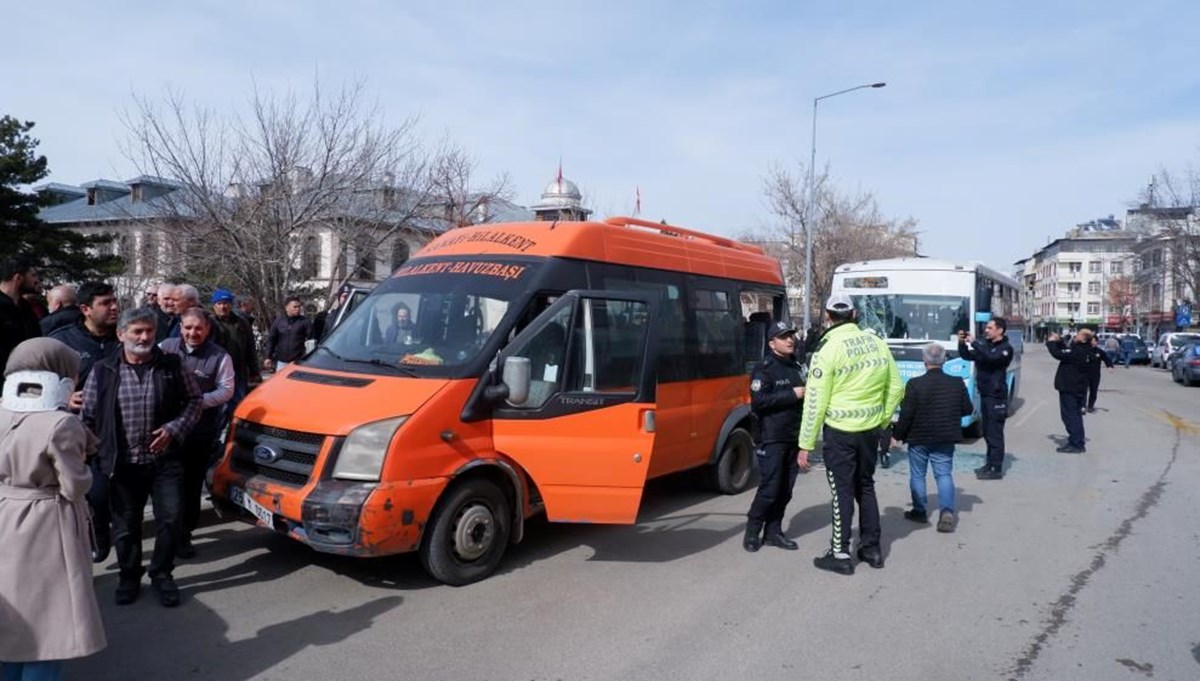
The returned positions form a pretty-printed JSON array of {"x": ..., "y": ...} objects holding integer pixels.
[{"x": 682, "y": 233}]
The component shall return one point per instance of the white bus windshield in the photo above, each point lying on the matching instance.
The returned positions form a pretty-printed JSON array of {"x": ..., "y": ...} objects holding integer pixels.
[{"x": 912, "y": 316}]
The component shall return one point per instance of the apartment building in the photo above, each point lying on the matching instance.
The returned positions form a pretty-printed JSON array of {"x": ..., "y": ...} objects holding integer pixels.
[{"x": 1070, "y": 282}]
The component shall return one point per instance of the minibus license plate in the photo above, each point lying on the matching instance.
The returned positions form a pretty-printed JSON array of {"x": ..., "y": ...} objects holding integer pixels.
[{"x": 264, "y": 515}]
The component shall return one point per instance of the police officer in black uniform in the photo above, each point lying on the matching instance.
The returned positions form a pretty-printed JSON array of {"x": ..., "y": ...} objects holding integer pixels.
[
  {"x": 776, "y": 398},
  {"x": 992, "y": 357}
]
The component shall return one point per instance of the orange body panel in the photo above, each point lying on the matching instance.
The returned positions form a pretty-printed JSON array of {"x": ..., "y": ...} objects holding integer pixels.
[
  {"x": 602, "y": 454},
  {"x": 610, "y": 243}
]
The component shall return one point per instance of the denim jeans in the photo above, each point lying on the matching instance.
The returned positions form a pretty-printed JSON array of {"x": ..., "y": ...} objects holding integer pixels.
[
  {"x": 48, "y": 670},
  {"x": 942, "y": 458}
]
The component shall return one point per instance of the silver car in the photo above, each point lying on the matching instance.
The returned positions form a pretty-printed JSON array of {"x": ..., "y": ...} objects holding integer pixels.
[{"x": 1169, "y": 343}]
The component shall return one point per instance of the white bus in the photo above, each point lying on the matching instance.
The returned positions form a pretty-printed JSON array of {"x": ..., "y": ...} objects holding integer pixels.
[{"x": 911, "y": 301}]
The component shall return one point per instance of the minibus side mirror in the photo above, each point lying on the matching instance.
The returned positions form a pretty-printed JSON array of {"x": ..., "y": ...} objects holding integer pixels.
[
  {"x": 514, "y": 383},
  {"x": 516, "y": 379}
]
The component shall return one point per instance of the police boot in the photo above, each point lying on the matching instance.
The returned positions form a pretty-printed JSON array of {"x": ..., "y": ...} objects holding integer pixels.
[
  {"x": 775, "y": 537},
  {"x": 753, "y": 539}
]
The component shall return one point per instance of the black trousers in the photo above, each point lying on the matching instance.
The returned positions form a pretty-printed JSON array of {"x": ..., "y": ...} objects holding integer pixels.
[
  {"x": 97, "y": 497},
  {"x": 196, "y": 454},
  {"x": 161, "y": 482},
  {"x": 777, "y": 471},
  {"x": 993, "y": 412},
  {"x": 1070, "y": 406},
  {"x": 850, "y": 469},
  {"x": 1093, "y": 388}
]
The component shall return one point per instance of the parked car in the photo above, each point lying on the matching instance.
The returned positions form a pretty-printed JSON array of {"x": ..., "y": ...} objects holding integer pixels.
[
  {"x": 1185, "y": 364},
  {"x": 1169, "y": 343},
  {"x": 1133, "y": 344}
]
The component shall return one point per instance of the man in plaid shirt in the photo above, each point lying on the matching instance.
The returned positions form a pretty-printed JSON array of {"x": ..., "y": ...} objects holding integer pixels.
[{"x": 141, "y": 405}]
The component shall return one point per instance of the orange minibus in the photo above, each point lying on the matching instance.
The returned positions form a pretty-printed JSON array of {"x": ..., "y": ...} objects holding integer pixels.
[{"x": 508, "y": 370}]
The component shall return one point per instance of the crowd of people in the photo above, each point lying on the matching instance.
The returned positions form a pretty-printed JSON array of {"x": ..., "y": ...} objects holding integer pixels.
[{"x": 103, "y": 409}]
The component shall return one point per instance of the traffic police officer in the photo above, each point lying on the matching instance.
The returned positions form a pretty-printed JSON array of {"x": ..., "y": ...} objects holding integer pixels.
[
  {"x": 776, "y": 398},
  {"x": 853, "y": 389},
  {"x": 992, "y": 357}
]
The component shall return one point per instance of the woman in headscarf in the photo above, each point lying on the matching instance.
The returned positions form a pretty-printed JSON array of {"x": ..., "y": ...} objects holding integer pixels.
[{"x": 48, "y": 610}]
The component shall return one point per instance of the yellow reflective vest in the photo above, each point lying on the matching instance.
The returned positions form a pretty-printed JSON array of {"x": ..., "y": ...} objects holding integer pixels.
[{"x": 853, "y": 384}]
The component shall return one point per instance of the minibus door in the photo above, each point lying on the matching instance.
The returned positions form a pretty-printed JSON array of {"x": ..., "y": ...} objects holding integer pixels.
[{"x": 584, "y": 429}]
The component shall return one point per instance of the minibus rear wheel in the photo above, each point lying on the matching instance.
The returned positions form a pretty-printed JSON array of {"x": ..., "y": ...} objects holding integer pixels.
[
  {"x": 734, "y": 470},
  {"x": 468, "y": 533}
]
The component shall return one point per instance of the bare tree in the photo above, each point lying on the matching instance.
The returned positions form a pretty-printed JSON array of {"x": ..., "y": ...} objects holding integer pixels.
[
  {"x": 1174, "y": 199},
  {"x": 298, "y": 185},
  {"x": 848, "y": 227}
]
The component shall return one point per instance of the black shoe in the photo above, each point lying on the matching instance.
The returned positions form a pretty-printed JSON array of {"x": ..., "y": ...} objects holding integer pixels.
[
  {"x": 916, "y": 516},
  {"x": 989, "y": 473},
  {"x": 128, "y": 590},
  {"x": 753, "y": 539},
  {"x": 1091, "y": 410},
  {"x": 830, "y": 562},
  {"x": 168, "y": 593},
  {"x": 779, "y": 541},
  {"x": 1070, "y": 449},
  {"x": 983, "y": 469},
  {"x": 185, "y": 549},
  {"x": 871, "y": 555},
  {"x": 885, "y": 460},
  {"x": 101, "y": 550}
]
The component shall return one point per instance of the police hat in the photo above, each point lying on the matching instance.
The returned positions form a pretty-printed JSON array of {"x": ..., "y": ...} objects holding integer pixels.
[
  {"x": 781, "y": 329},
  {"x": 839, "y": 302}
]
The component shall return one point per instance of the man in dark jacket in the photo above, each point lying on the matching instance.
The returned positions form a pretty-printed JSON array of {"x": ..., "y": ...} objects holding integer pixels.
[
  {"x": 94, "y": 337},
  {"x": 776, "y": 399},
  {"x": 238, "y": 340},
  {"x": 1071, "y": 381},
  {"x": 931, "y": 423},
  {"x": 141, "y": 405},
  {"x": 992, "y": 357},
  {"x": 63, "y": 307},
  {"x": 18, "y": 322},
  {"x": 1100, "y": 357},
  {"x": 285, "y": 340}
]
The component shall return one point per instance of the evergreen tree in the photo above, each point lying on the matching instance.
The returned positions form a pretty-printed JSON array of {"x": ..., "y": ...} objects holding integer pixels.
[{"x": 61, "y": 254}]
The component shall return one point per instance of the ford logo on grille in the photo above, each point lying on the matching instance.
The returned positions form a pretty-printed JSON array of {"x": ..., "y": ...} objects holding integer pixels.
[{"x": 265, "y": 454}]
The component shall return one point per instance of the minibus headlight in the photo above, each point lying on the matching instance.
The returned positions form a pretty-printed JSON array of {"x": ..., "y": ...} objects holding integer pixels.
[{"x": 362, "y": 453}]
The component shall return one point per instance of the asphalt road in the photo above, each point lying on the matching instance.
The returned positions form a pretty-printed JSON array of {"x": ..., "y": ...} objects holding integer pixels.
[{"x": 1072, "y": 567}]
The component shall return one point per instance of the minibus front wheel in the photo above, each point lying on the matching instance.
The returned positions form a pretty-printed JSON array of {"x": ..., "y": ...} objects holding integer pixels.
[{"x": 468, "y": 532}]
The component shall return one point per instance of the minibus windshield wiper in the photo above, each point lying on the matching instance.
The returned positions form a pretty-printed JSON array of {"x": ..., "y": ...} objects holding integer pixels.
[{"x": 373, "y": 361}]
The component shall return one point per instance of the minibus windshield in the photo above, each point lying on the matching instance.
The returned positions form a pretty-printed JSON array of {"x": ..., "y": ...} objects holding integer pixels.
[{"x": 429, "y": 318}]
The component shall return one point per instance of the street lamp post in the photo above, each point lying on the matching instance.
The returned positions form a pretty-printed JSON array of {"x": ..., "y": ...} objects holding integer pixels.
[{"x": 808, "y": 208}]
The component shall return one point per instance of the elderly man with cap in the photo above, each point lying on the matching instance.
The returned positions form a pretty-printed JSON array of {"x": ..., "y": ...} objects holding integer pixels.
[
  {"x": 233, "y": 332},
  {"x": 853, "y": 389},
  {"x": 776, "y": 399}
]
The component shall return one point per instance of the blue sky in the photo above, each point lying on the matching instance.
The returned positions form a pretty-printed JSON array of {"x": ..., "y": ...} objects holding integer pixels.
[{"x": 1001, "y": 125}]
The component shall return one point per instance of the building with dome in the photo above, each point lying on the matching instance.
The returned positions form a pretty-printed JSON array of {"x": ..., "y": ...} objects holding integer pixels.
[{"x": 562, "y": 200}]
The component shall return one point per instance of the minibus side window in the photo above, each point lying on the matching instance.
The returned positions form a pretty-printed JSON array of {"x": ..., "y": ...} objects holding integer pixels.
[{"x": 718, "y": 333}]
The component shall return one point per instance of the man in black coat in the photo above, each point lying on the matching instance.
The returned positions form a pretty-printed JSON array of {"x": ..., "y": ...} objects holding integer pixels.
[
  {"x": 1101, "y": 357},
  {"x": 285, "y": 339},
  {"x": 1071, "y": 382},
  {"x": 18, "y": 322},
  {"x": 776, "y": 399},
  {"x": 992, "y": 355},
  {"x": 931, "y": 423},
  {"x": 64, "y": 309}
]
